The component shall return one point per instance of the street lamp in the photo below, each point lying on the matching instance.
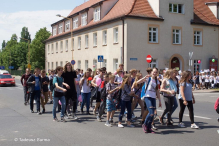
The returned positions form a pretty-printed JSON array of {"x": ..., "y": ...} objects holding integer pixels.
[
  {"x": 58, "y": 15},
  {"x": 29, "y": 66}
]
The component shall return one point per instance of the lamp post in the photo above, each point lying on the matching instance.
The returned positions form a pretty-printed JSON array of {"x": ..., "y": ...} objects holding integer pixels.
[
  {"x": 58, "y": 15},
  {"x": 28, "y": 52}
]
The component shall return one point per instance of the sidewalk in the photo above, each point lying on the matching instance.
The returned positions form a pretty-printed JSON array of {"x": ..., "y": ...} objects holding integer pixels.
[{"x": 17, "y": 77}]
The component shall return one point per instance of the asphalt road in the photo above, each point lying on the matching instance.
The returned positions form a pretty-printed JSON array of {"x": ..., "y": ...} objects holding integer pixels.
[{"x": 20, "y": 127}]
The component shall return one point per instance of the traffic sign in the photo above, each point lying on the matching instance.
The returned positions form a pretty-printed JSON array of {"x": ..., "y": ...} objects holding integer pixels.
[
  {"x": 190, "y": 55},
  {"x": 73, "y": 62},
  {"x": 11, "y": 67},
  {"x": 29, "y": 66},
  {"x": 100, "y": 58},
  {"x": 149, "y": 59},
  {"x": 2, "y": 67}
]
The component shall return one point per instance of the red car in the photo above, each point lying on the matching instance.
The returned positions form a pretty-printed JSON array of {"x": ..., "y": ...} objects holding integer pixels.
[{"x": 6, "y": 79}]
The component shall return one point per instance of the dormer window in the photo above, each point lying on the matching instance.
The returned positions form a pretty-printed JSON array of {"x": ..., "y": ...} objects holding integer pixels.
[
  {"x": 60, "y": 28},
  {"x": 97, "y": 14},
  {"x": 54, "y": 31},
  {"x": 75, "y": 22},
  {"x": 84, "y": 19},
  {"x": 214, "y": 7},
  {"x": 67, "y": 25}
]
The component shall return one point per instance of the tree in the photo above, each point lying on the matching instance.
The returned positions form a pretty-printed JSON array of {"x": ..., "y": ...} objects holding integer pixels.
[
  {"x": 37, "y": 48},
  {"x": 3, "y": 44},
  {"x": 25, "y": 35}
]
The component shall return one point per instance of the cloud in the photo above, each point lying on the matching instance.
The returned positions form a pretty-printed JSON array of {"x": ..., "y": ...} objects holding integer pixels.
[{"x": 11, "y": 23}]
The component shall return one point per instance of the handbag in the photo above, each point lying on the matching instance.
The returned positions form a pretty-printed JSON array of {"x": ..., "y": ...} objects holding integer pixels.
[
  {"x": 58, "y": 94},
  {"x": 94, "y": 91},
  {"x": 80, "y": 98}
]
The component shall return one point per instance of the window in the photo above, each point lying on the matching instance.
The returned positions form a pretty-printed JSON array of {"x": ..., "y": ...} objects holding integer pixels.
[
  {"x": 48, "y": 49},
  {"x": 197, "y": 66},
  {"x": 115, "y": 35},
  {"x": 60, "y": 28},
  {"x": 75, "y": 22},
  {"x": 104, "y": 37},
  {"x": 153, "y": 64},
  {"x": 95, "y": 40},
  {"x": 105, "y": 63},
  {"x": 52, "y": 51},
  {"x": 197, "y": 38},
  {"x": 153, "y": 35},
  {"x": 56, "y": 47},
  {"x": 61, "y": 63},
  {"x": 176, "y": 8},
  {"x": 95, "y": 63},
  {"x": 97, "y": 14},
  {"x": 115, "y": 64},
  {"x": 67, "y": 25},
  {"x": 176, "y": 36},
  {"x": 86, "y": 64},
  {"x": 52, "y": 66},
  {"x": 79, "y": 42},
  {"x": 84, "y": 19},
  {"x": 56, "y": 64},
  {"x": 79, "y": 64},
  {"x": 48, "y": 66},
  {"x": 61, "y": 46},
  {"x": 86, "y": 41},
  {"x": 54, "y": 31},
  {"x": 66, "y": 45}
]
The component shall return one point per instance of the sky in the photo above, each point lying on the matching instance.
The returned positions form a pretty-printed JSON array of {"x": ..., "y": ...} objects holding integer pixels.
[{"x": 34, "y": 14}]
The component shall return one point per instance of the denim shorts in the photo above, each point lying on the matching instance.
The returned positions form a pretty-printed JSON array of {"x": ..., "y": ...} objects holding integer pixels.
[{"x": 110, "y": 105}]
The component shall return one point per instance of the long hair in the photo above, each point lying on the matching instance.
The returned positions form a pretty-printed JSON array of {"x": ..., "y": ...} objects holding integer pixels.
[
  {"x": 86, "y": 76},
  {"x": 65, "y": 67},
  {"x": 125, "y": 80},
  {"x": 136, "y": 79},
  {"x": 185, "y": 76},
  {"x": 168, "y": 74}
]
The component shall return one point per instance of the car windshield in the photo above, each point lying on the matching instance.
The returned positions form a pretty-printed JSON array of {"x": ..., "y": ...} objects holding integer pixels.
[{"x": 5, "y": 76}]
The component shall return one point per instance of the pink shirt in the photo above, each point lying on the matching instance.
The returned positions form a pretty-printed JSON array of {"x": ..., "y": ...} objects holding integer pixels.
[{"x": 216, "y": 104}]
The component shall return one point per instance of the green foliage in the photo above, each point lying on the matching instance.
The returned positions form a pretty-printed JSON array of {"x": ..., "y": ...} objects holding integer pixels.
[
  {"x": 25, "y": 35},
  {"x": 3, "y": 44},
  {"x": 37, "y": 49}
]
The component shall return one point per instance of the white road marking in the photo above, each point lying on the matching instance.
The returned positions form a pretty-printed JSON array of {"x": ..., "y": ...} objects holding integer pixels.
[
  {"x": 18, "y": 84},
  {"x": 188, "y": 115},
  {"x": 9, "y": 88}
]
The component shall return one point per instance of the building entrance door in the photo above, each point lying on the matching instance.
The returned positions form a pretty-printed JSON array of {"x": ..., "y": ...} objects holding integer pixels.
[{"x": 175, "y": 64}]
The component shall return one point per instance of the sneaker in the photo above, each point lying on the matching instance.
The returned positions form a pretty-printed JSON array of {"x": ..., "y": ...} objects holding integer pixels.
[
  {"x": 66, "y": 116},
  {"x": 218, "y": 119},
  {"x": 111, "y": 120},
  {"x": 43, "y": 111},
  {"x": 34, "y": 101},
  {"x": 55, "y": 120},
  {"x": 94, "y": 112},
  {"x": 25, "y": 103},
  {"x": 31, "y": 111},
  {"x": 151, "y": 131},
  {"x": 161, "y": 120},
  {"x": 74, "y": 117},
  {"x": 88, "y": 113},
  {"x": 153, "y": 127},
  {"x": 144, "y": 127},
  {"x": 194, "y": 126},
  {"x": 131, "y": 126},
  {"x": 171, "y": 121},
  {"x": 133, "y": 116},
  {"x": 62, "y": 119},
  {"x": 120, "y": 126},
  {"x": 108, "y": 125},
  {"x": 181, "y": 125},
  {"x": 98, "y": 119},
  {"x": 39, "y": 113},
  {"x": 169, "y": 124}
]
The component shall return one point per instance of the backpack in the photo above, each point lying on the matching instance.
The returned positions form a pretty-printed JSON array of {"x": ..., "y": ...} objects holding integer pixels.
[
  {"x": 216, "y": 106},
  {"x": 103, "y": 93},
  {"x": 143, "y": 91}
]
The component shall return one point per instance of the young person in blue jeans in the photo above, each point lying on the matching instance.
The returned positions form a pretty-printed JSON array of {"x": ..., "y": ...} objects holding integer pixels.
[
  {"x": 151, "y": 91},
  {"x": 58, "y": 93},
  {"x": 126, "y": 96},
  {"x": 85, "y": 92}
]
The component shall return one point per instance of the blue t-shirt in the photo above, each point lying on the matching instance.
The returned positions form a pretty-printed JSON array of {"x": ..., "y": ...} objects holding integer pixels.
[
  {"x": 187, "y": 91},
  {"x": 37, "y": 83},
  {"x": 58, "y": 80}
]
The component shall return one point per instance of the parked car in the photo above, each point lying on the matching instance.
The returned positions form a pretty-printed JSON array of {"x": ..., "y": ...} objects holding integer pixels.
[
  {"x": 4, "y": 72},
  {"x": 6, "y": 80}
]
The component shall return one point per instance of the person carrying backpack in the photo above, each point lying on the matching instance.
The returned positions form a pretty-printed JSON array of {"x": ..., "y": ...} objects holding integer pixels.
[
  {"x": 150, "y": 91},
  {"x": 52, "y": 75},
  {"x": 24, "y": 79}
]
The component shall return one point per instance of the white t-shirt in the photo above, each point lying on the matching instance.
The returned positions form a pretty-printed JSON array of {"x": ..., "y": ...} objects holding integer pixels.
[
  {"x": 151, "y": 90},
  {"x": 85, "y": 88},
  {"x": 211, "y": 78},
  {"x": 217, "y": 79},
  {"x": 178, "y": 77},
  {"x": 206, "y": 78},
  {"x": 118, "y": 79}
]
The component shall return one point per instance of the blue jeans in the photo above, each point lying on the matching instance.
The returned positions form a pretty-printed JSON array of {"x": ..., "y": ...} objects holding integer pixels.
[
  {"x": 35, "y": 95},
  {"x": 125, "y": 104},
  {"x": 55, "y": 103},
  {"x": 78, "y": 93},
  {"x": 85, "y": 99},
  {"x": 151, "y": 105},
  {"x": 175, "y": 105}
]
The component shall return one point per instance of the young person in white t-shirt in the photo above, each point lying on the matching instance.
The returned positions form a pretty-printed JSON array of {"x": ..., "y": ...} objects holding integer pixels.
[
  {"x": 119, "y": 77},
  {"x": 207, "y": 80}
]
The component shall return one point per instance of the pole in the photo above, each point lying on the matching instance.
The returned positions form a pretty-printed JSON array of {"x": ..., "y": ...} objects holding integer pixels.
[{"x": 29, "y": 51}]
